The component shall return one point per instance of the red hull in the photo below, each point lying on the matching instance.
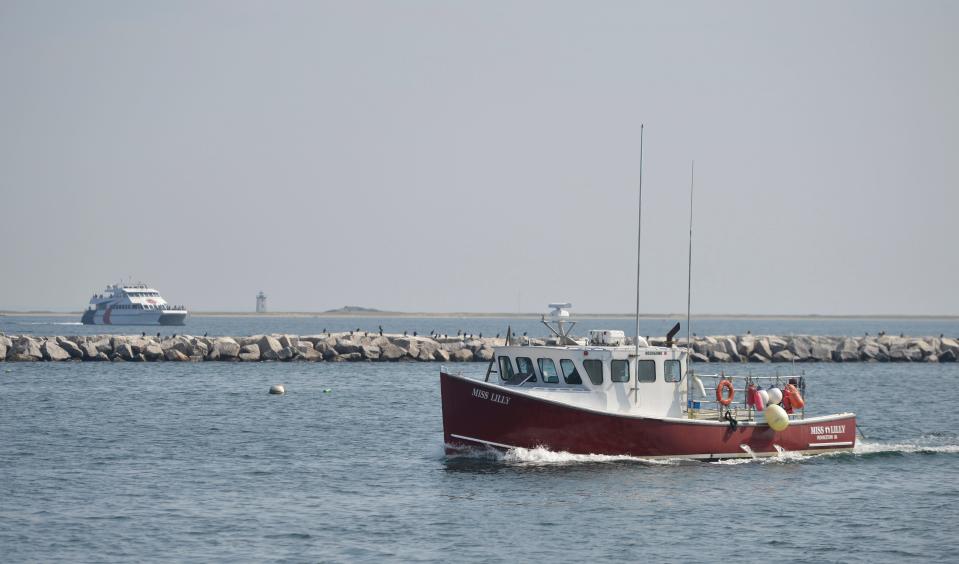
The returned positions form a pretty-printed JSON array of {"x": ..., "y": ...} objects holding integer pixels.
[{"x": 503, "y": 419}]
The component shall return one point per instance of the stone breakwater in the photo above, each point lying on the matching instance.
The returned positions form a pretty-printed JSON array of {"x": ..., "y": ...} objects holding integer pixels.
[{"x": 340, "y": 347}]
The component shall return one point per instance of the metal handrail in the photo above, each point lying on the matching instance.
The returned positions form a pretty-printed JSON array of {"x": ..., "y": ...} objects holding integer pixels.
[{"x": 738, "y": 409}]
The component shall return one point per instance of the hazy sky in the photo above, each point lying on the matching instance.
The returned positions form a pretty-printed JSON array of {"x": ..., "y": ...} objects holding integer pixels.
[{"x": 482, "y": 156}]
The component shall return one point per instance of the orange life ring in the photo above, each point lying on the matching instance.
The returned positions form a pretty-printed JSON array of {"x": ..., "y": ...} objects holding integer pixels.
[
  {"x": 720, "y": 396},
  {"x": 794, "y": 398}
]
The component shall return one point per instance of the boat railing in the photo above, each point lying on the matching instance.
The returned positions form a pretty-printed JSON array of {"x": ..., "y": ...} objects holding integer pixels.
[{"x": 702, "y": 402}]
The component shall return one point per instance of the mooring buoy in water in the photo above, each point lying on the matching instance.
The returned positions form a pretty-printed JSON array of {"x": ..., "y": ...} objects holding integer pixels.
[{"x": 277, "y": 389}]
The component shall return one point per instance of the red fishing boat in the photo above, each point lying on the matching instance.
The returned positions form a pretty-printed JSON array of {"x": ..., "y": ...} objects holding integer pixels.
[{"x": 607, "y": 395}]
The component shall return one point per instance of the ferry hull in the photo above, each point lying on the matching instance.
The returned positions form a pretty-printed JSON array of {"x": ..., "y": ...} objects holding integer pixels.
[
  {"x": 107, "y": 317},
  {"x": 477, "y": 414}
]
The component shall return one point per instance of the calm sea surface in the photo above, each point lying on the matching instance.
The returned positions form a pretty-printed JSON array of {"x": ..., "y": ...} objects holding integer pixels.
[
  {"x": 195, "y": 461},
  {"x": 488, "y": 326}
]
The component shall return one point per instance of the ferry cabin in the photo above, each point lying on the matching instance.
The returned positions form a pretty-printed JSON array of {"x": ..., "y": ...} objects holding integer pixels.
[
  {"x": 132, "y": 305},
  {"x": 647, "y": 382}
]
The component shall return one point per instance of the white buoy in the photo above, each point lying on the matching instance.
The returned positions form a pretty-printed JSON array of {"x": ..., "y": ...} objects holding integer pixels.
[
  {"x": 277, "y": 389},
  {"x": 699, "y": 384},
  {"x": 763, "y": 397},
  {"x": 775, "y": 395},
  {"x": 776, "y": 417}
]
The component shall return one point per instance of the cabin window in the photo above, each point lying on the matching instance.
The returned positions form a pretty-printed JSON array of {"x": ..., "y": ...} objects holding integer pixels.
[
  {"x": 570, "y": 374},
  {"x": 505, "y": 368},
  {"x": 646, "y": 371},
  {"x": 548, "y": 369},
  {"x": 525, "y": 366},
  {"x": 594, "y": 369},
  {"x": 673, "y": 371},
  {"x": 619, "y": 371}
]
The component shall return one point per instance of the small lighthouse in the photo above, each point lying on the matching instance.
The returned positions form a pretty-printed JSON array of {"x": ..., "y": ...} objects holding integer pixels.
[{"x": 261, "y": 302}]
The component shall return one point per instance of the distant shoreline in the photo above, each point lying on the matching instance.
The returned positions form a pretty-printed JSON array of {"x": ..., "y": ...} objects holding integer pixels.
[{"x": 453, "y": 315}]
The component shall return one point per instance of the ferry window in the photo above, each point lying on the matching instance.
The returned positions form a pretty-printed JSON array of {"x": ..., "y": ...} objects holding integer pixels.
[
  {"x": 525, "y": 366},
  {"x": 646, "y": 371},
  {"x": 505, "y": 368},
  {"x": 619, "y": 371},
  {"x": 594, "y": 369},
  {"x": 570, "y": 374},
  {"x": 548, "y": 369},
  {"x": 673, "y": 372}
]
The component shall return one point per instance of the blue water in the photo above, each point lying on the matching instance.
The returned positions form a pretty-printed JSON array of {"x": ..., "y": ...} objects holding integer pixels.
[
  {"x": 488, "y": 326},
  {"x": 195, "y": 461}
]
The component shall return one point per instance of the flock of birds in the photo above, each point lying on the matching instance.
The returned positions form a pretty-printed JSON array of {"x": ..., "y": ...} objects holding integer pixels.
[
  {"x": 433, "y": 334},
  {"x": 467, "y": 336}
]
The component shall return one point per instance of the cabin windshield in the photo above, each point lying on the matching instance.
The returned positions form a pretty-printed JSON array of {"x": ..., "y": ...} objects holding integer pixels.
[
  {"x": 673, "y": 372},
  {"x": 594, "y": 369},
  {"x": 505, "y": 368},
  {"x": 570, "y": 374},
  {"x": 646, "y": 371},
  {"x": 619, "y": 371},
  {"x": 525, "y": 366},
  {"x": 548, "y": 369}
]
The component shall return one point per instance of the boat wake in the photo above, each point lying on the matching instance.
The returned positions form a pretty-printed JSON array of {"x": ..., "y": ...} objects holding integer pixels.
[
  {"x": 541, "y": 456},
  {"x": 924, "y": 445}
]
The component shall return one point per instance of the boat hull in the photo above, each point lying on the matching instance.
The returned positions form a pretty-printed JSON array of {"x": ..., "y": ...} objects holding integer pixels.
[
  {"x": 119, "y": 317},
  {"x": 477, "y": 413}
]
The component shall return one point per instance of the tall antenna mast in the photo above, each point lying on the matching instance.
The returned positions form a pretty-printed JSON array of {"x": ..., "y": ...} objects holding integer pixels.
[
  {"x": 639, "y": 232},
  {"x": 689, "y": 281}
]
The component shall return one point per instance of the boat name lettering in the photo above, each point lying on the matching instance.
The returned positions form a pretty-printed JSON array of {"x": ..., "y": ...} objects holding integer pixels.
[
  {"x": 655, "y": 353},
  {"x": 491, "y": 396},
  {"x": 827, "y": 430}
]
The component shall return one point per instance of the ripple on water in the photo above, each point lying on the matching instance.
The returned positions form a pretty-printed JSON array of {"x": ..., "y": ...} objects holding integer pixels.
[{"x": 120, "y": 463}]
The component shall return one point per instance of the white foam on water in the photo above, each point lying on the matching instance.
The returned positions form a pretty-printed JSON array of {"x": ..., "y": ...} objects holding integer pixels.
[
  {"x": 917, "y": 447},
  {"x": 476, "y": 452},
  {"x": 541, "y": 456},
  {"x": 782, "y": 456}
]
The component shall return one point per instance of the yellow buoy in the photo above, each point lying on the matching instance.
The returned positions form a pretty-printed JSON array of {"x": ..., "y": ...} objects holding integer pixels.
[{"x": 776, "y": 417}]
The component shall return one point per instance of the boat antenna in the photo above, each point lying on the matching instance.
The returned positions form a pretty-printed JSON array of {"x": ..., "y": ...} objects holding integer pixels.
[
  {"x": 639, "y": 232},
  {"x": 689, "y": 279}
]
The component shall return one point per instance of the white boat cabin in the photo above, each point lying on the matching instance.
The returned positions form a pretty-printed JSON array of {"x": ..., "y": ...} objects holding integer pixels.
[{"x": 647, "y": 381}]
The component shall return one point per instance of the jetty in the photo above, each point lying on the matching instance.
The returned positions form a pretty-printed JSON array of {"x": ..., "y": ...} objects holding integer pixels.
[{"x": 374, "y": 347}]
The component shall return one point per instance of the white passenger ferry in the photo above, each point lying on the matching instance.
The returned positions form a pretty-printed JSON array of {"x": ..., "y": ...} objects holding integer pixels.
[{"x": 132, "y": 304}]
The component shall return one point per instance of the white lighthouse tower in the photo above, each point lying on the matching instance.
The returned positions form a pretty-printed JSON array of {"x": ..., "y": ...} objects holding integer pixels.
[{"x": 261, "y": 302}]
